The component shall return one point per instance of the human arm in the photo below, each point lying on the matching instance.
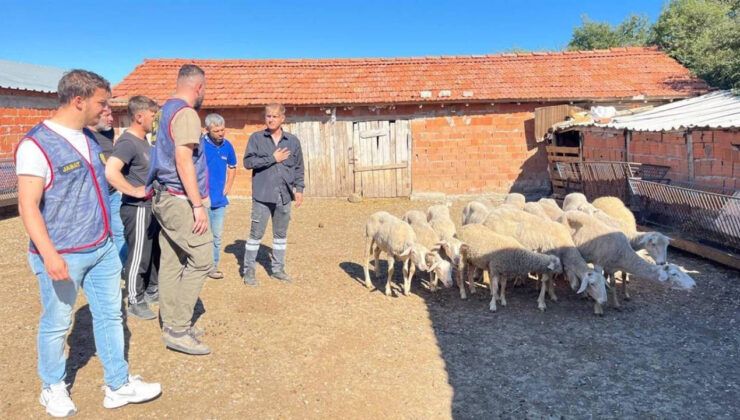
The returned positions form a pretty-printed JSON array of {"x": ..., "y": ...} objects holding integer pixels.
[
  {"x": 186, "y": 132},
  {"x": 299, "y": 177},
  {"x": 230, "y": 170},
  {"x": 256, "y": 159},
  {"x": 123, "y": 153}
]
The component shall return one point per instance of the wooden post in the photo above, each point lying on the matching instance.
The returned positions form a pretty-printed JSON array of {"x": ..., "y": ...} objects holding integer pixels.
[
  {"x": 627, "y": 141},
  {"x": 690, "y": 153}
]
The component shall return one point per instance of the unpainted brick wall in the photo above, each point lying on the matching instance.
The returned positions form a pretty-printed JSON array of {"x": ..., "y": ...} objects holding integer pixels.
[
  {"x": 489, "y": 148},
  {"x": 16, "y": 122},
  {"x": 716, "y": 153}
]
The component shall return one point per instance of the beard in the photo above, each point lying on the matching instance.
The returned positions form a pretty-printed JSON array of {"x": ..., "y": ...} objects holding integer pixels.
[{"x": 198, "y": 102}]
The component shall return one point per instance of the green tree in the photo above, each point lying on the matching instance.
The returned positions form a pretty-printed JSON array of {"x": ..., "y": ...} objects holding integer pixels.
[
  {"x": 591, "y": 35},
  {"x": 704, "y": 36}
]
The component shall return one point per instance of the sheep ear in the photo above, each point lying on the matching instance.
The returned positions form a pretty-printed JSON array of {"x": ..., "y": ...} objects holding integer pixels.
[
  {"x": 584, "y": 284},
  {"x": 433, "y": 266},
  {"x": 405, "y": 253},
  {"x": 551, "y": 265}
]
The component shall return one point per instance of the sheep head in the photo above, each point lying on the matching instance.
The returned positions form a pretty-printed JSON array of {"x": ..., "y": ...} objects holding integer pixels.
[
  {"x": 440, "y": 267},
  {"x": 554, "y": 265},
  {"x": 594, "y": 284},
  {"x": 656, "y": 245},
  {"x": 677, "y": 278}
]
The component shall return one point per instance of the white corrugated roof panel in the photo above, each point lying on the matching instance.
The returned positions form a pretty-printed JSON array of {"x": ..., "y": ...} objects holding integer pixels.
[
  {"x": 719, "y": 109},
  {"x": 25, "y": 76}
]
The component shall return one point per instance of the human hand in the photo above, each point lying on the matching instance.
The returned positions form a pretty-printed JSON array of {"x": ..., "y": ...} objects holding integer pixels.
[
  {"x": 139, "y": 192},
  {"x": 200, "y": 218},
  {"x": 298, "y": 199},
  {"x": 56, "y": 267},
  {"x": 281, "y": 154}
]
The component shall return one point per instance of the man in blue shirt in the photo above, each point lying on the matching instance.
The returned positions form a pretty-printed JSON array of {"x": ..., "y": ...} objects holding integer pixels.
[{"x": 221, "y": 161}]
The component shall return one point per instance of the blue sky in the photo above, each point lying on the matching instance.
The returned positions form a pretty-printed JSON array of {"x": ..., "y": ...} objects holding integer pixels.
[{"x": 111, "y": 37}]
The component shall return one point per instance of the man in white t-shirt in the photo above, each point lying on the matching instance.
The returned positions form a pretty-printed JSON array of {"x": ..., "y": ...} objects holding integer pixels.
[{"x": 59, "y": 164}]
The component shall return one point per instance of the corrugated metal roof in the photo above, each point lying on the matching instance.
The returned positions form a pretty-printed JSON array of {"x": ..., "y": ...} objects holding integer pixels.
[
  {"x": 719, "y": 109},
  {"x": 25, "y": 76}
]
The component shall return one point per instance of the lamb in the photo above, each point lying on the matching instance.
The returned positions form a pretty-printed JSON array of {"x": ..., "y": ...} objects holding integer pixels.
[
  {"x": 515, "y": 199},
  {"x": 426, "y": 236},
  {"x": 617, "y": 215},
  {"x": 387, "y": 233},
  {"x": 502, "y": 257},
  {"x": 609, "y": 249},
  {"x": 545, "y": 236},
  {"x": 551, "y": 207},
  {"x": 438, "y": 217},
  {"x": 578, "y": 201},
  {"x": 474, "y": 212}
]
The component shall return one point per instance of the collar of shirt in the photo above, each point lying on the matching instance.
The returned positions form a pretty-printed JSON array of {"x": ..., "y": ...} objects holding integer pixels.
[
  {"x": 268, "y": 134},
  {"x": 208, "y": 139}
]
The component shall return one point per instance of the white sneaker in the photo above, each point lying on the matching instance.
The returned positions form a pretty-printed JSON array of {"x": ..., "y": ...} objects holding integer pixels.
[
  {"x": 56, "y": 400},
  {"x": 135, "y": 391}
]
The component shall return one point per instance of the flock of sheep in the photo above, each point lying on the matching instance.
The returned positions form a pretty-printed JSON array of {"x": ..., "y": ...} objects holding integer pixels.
[{"x": 586, "y": 243}]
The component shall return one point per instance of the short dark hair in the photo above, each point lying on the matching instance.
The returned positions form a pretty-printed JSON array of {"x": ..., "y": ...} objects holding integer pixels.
[
  {"x": 190, "y": 70},
  {"x": 140, "y": 103},
  {"x": 82, "y": 83}
]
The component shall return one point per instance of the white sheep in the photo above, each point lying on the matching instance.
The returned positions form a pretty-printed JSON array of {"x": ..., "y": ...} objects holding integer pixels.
[
  {"x": 438, "y": 267},
  {"x": 438, "y": 217},
  {"x": 500, "y": 257},
  {"x": 515, "y": 199},
  {"x": 474, "y": 212},
  {"x": 551, "y": 207},
  {"x": 578, "y": 201},
  {"x": 609, "y": 249},
  {"x": 617, "y": 215},
  {"x": 485, "y": 201},
  {"x": 545, "y": 236},
  {"x": 387, "y": 233}
]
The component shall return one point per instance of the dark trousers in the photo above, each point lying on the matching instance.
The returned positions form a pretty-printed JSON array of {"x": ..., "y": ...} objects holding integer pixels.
[
  {"x": 261, "y": 214},
  {"x": 142, "y": 262}
]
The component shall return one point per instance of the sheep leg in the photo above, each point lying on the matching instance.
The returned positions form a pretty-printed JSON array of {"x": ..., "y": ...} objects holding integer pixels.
[
  {"x": 625, "y": 280},
  {"x": 551, "y": 289},
  {"x": 541, "y": 299},
  {"x": 462, "y": 270},
  {"x": 613, "y": 282},
  {"x": 433, "y": 281},
  {"x": 494, "y": 290},
  {"x": 391, "y": 260},
  {"x": 471, "y": 281},
  {"x": 502, "y": 293},
  {"x": 598, "y": 309},
  {"x": 368, "y": 253},
  {"x": 409, "y": 275}
]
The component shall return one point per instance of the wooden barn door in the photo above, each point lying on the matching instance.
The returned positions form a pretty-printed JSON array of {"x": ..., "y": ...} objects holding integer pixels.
[
  {"x": 382, "y": 158},
  {"x": 326, "y": 147}
]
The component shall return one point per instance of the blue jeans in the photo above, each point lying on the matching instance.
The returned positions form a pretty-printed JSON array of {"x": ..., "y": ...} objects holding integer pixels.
[
  {"x": 99, "y": 274},
  {"x": 117, "y": 225},
  {"x": 216, "y": 216}
]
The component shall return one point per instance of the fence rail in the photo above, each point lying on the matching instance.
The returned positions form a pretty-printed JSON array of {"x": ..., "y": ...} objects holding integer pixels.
[
  {"x": 597, "y": 179},
  {"x": 708, "y": 216}
]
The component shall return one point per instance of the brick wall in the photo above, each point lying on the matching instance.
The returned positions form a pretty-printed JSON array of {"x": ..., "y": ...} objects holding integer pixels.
[
  {"x": 456, "y": 149},
  {"x": 489, "y": 151},
  {"x": 716, "y": 153},
  {"x": 14, "y": 123}
]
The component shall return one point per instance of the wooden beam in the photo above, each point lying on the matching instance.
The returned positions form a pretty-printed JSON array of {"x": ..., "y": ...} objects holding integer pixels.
[
  {"x": 400, "y": 165},
  {"x": 378, "y": 132},
  {"x": 690, "y": 154}
]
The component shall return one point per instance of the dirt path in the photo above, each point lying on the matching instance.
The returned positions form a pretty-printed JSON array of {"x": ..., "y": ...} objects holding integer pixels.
[{"x": 326, "y": 347}]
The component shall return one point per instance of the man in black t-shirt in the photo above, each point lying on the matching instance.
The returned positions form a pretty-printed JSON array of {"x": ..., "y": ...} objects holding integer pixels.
[{"x": 127, "y": 169}]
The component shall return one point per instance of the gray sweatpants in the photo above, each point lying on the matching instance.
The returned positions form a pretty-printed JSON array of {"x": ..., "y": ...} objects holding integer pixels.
[{"x": 261, "y": 214}]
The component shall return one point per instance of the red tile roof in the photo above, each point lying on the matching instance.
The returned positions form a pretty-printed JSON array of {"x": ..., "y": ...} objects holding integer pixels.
[{"x": 618, "y": 73}]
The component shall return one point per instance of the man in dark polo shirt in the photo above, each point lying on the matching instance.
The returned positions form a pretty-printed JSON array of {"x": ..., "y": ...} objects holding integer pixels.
[
  {"x": 276, "y": 161},
  {"x": 127, "y": 169},
  {"x": 103, "y": 133}
]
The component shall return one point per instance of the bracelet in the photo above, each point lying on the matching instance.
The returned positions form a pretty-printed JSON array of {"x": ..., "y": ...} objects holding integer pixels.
[{"x": 199, "y": 206}]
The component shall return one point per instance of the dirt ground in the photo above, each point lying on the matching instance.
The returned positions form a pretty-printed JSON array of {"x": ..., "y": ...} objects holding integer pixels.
[{"x": 327, "y": 347}]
